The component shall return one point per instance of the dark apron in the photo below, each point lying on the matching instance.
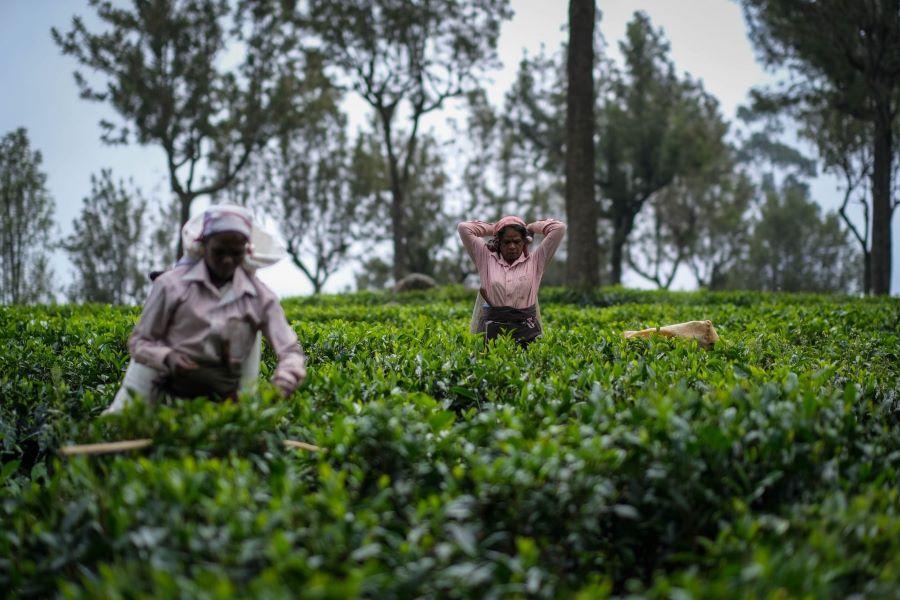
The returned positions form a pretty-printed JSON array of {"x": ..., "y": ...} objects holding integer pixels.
[
  {"x": 212, "y": 381},
  {"x": 522, "y": 324}
]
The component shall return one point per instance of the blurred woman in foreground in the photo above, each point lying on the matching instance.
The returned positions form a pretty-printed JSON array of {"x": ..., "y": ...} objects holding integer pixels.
[{"x": 199, "y": 332}]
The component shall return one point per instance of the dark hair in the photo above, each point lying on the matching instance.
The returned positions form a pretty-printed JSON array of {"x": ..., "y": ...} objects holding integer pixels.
[{"x": 493, "y": 244}]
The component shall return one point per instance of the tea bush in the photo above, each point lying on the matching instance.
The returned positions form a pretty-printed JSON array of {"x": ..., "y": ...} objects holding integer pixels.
[{"x": 586, "y": 466}]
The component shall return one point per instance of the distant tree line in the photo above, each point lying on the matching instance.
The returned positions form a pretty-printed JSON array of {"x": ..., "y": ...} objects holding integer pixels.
[
  {"x": 26, "y": 226},
  {"x": 247, "y": 101}
]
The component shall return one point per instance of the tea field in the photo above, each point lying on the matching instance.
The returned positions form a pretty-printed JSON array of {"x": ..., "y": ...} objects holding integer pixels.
[{"x": 587, "y": 466}]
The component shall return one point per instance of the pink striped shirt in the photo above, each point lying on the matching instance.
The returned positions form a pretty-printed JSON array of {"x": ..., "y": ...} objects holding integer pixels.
[{"x": 515, "y": 284}]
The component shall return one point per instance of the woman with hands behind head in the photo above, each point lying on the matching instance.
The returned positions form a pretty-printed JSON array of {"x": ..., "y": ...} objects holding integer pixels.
[{"x": 510, "y": 274}]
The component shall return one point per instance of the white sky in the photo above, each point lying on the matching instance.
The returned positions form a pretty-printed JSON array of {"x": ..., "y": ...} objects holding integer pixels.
[{"x": 708, "y": 40}]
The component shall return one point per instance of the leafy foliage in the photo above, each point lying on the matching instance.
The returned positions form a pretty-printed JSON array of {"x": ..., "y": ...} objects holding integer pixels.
[
  {"x": 843, "y": 59},
  {"x": 587, "y": 464},
  {"x": 165, "y": 68},
  {"x": 795, "y": 248},
  {"x": 107, "y": 244},
  {"x": 655, "y": 127},
  {"x": 27, "y": 210},
  {"x": 304, "y": 178},
  {"x": 407, "y": 60}
]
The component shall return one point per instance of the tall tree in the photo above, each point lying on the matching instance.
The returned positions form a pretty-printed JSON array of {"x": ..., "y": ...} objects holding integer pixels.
[
  {"x": 27, "y": 218},
  {"x": 108, "y": 244},
  {"x": 795, "y": 248},
  {"x": 304, "y": 178},
  {"x": 845, "y": 150},
  {"x": 425, "y": 213},
  {"x": 842, "y": 55},
  {"x": 582, "y": 260},
  {"x": 722, "y": 229},
  {"x": 406, "y": 59},
  {"x": 166, "y": 71},
  {"x": 654, "y": 128},
  {"x": 534, "y": 146},
  {"x": 667, "y": 234},
  {"x": 432, "y": 251},
  {"x": 318, "y": 211}
]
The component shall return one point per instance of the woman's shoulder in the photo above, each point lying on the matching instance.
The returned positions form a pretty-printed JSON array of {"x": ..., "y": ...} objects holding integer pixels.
[
  {"x": 263, "y": 291},
  {"x": 172, "y": 277}
]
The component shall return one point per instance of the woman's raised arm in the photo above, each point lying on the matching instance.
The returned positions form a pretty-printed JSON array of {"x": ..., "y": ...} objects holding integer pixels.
[
  {"x": 553, "y": 231},
  {"x": 471, "y": 232}
]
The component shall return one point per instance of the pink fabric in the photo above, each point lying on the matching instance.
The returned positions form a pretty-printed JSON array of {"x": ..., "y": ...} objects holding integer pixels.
[
  {"x": 507, "y": 221},
  {"x": 515, "y": 284},
  {"x": 185, "y": 311}
]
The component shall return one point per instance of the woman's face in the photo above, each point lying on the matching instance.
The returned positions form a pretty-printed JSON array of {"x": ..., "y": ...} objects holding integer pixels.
[
  {"x": 224, "y": 253},
  {"x": 511, "y": 244}
]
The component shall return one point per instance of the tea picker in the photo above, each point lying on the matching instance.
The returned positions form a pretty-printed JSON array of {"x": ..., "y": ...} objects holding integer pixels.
[
  {"x": 510, "y": 274},
  {"x": 199, "y": 333}
]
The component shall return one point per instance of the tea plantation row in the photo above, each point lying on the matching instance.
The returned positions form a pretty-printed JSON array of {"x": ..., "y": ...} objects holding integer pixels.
[{"x": 586, "y": 466}]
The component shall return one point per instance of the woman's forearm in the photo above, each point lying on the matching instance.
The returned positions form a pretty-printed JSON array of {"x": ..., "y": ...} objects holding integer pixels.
[
  {"x": 553, "y": 231},
  {"x": 471, "y": 232},
  {"x": 475, "y": 228},
  {"x": 546, "y": 226}
]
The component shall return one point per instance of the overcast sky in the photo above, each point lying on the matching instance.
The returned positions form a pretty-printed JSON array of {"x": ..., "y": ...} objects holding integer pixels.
[{"x": 708, "y": 39}]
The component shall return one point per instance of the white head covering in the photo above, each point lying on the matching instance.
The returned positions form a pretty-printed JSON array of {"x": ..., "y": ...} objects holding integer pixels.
[
  {"x": 266, "y": 247},
  {"x": 226, "y": 217}
]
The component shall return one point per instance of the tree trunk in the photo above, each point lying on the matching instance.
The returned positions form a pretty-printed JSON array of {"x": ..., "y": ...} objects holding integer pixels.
[
  {"x": 185, "y": 202},
  {"x": 616, "y": 255},
  {"x": 867, "y": 271},
  {"x": 582, "y": 262},
  {"x": 398, "y": 214},
  {"x": 715, "y": 279},
  {"x": 881, "y": 205},
  {"x": 622, "y": 224},
  {"x": 315, "y": 279},
  {"x": 398, "y": 225}
]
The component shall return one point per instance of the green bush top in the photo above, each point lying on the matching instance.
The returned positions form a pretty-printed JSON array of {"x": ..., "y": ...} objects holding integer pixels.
[{"x": 587, "y": 464}]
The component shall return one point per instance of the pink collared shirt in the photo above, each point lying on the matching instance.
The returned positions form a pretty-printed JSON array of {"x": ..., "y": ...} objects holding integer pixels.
[
  {"x": 213, "y": 326},
  {"x": 515, "y": 284}
]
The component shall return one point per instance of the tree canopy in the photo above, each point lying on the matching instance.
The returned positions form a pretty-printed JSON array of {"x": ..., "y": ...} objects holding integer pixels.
[
  {"x": 26, "y": 225},
  {"x": 842, "y": 55},
  {"x": 108, "y": 244},
  {"x": 168, "y": 70},
  {"x": 406, "y": 59}
]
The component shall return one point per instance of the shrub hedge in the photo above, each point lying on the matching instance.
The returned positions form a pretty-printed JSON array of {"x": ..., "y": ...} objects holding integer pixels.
[{"x": 587, "y": 466}]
